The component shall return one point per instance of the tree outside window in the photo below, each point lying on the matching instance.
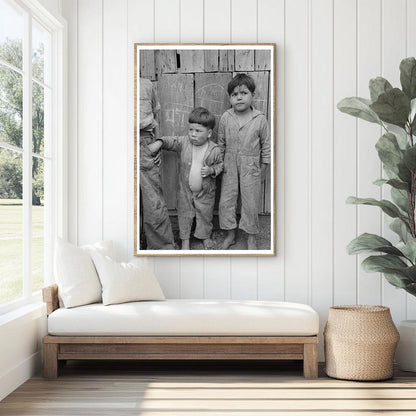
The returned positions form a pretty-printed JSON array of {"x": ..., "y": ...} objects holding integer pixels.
[{"x": 14, "y": 227}]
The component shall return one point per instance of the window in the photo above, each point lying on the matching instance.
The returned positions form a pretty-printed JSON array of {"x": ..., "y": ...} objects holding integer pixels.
[{"x": 31, "y": 141}]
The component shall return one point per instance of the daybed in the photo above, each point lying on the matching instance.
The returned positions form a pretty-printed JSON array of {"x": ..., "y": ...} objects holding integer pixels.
[{"x": 181, "y": 329}]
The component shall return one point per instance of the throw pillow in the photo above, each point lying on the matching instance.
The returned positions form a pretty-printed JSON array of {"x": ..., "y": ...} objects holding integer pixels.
[
  {"x": 126, "y": 282},
  {"x": 103, "y": 247},
  {"x": 75, "y": 273}
]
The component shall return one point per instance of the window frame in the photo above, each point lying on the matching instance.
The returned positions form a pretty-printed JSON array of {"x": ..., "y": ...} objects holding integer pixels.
[{"x": 57, "y": 225}]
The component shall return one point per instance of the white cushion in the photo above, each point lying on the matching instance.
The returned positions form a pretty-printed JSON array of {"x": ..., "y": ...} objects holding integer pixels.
[
  {"x": 103, "y": 247},
  {"x": 126, "y": 282},
  {"x": 180, "y": 317},
  {"x": 75, "y": 273}
]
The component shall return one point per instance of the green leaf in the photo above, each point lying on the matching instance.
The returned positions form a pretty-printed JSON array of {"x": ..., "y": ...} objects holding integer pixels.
[
  {"x": 397, "y": 280},
  {"x": 366, "y": 243},
  {"x": 412, "y": 116},
  {"x": 359, "y": 107},
  {"x": 410, "y": 158},
  {"x": 400, "y": 228},
  {"x": 389, "y": 208},
  {"x": 392, "y": 107},
  {"x": 400, "y": 198},
  {"x": 408, "y": 249},
  {"x": 389, "y": 151},
  {"x": 390, "y": 173},
  {"x": 411, "y": 289},
  {"x": 412, "y": 109},
  {"x": 398, "y": 184},
  {"x": 411, "y": 273},
  {"x": 401, "y": 139},
  {"x": 408, "y": 77},
  {"x": 380, "y": 182},
  {"x": 404, "y": 173},
  {"x": 396, "y": 271},
  {"x": 378, "y": 86},
  {"x": 381, "y": 263},
  {"x": 395, "y": 183}
]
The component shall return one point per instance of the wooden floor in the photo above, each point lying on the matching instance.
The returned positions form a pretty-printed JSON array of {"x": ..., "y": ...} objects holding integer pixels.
[{"x": 221, "y": 389}]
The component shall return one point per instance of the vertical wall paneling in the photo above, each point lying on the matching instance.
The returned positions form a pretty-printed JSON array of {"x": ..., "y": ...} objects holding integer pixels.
[
  {"x": 271, "y": 29},
  {"x": 244, "y": 29},
  {"x": 321, "y": 148},
  {"x": 326, "y": 50},
  {"x": 70, "y": 11},
  {"x": 244, "y": 21},
  {"x": 114, "y": 124},
  {"x": 217, "y": 282},
  {"x": 393, "y": 51},
  {"x": 192, "y": 277},
  {"x": 296, "y": 152},
  {"x": 192, "y": 21},
  {"x": 411, "y": 51},
  {"x": 345, "y": 151},
  {"x": 217, "y": 26},
  {"x": 244, "y": 278},
  {"x": 168, "y": 30},
  {"x": 217, "y": 29},
  {"x": 192, "y": 31},
  {"x": 411, "y": 28},
  {"x": 167, "y": 25},
  {"x": 90, "y": 128},
  {"x": 368, "y": 162}
]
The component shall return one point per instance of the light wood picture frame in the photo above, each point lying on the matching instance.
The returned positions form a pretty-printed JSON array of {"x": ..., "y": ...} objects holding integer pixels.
[{"x": 215, "y": 197}]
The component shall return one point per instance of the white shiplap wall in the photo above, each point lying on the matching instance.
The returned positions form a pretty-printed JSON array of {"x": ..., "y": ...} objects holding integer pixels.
[{"x": 326, "y": 50}]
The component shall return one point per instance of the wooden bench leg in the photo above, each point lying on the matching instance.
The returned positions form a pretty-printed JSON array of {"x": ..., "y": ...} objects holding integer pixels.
[
  {"x": 310, "y": 360},
  {"x": 50, "y": 360}
]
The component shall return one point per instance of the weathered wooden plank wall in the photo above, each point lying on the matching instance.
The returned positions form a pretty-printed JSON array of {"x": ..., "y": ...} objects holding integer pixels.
[
  {"x": 176, "y": 94},
  {"x": 211, "y": 92},
  {"x": 191, "y": 78}
]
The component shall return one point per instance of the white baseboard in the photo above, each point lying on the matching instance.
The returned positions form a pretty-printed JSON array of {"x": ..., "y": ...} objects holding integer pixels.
[{"x": 10, "y": 380}]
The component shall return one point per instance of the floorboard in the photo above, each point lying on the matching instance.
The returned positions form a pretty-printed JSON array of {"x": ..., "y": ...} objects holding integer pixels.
[{"x": 206, "y": 388}]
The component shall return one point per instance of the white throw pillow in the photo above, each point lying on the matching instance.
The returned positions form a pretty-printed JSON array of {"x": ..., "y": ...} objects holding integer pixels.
[
  {"x": 126, "y": 282},
  {"x": 103, "y": 247},
  {"x": 75, "y": 273}
]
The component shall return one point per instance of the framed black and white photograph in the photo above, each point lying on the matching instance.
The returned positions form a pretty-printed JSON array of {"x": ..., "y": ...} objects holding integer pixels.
[{"x": 204, "y": 127}]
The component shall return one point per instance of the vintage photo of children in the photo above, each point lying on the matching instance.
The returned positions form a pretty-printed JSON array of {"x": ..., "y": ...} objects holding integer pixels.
[{"x": 205, "y": 150}]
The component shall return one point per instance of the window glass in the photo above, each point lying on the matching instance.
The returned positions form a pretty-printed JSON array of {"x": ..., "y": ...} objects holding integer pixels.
[
  {"x": 11, "y": 226},
  {"x": 26, "y": 160},
  {"x": 11, "y": 106},
  {"x": 38, "y": 227},
  {"x": 41, "y": 46},
  {"x": 38, "y": 118},
  {"x": 11, "y": 34}
]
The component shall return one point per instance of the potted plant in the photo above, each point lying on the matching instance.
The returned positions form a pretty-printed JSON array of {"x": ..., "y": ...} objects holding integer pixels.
[{"x": 394, "y": 109}]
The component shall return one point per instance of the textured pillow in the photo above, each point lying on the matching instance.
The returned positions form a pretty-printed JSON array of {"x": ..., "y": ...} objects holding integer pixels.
[
  {"x": 126, "y": 282},
  {"x": 75, "y": 274}
]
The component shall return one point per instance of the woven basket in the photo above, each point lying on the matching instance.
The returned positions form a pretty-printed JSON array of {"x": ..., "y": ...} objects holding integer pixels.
[{"x": 360, "y": 341}]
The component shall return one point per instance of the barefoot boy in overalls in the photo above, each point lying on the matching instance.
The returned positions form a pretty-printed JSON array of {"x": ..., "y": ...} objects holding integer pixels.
[
  {"x": 200, "y": 164},
  {"x": 244, "y": 139}
]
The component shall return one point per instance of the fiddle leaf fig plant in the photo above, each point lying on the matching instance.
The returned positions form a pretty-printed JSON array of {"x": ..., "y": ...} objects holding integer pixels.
[{"x": 394, "y": 109}]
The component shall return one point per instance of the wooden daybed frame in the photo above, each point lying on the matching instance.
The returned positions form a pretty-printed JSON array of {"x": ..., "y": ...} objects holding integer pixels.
[{"x": 58, "y": 349}]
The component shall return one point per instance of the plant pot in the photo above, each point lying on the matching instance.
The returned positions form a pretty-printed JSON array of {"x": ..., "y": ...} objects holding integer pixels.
[
  {"x": 360, "y": 341},
  {"x": 406, "y": 349}
]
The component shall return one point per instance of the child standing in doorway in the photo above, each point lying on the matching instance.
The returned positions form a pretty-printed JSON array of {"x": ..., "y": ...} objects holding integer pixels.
[
  {"x": 156, "y": 222},
  {"x": 200, "y": 164},
  {"x": 244, "y": 139}
]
